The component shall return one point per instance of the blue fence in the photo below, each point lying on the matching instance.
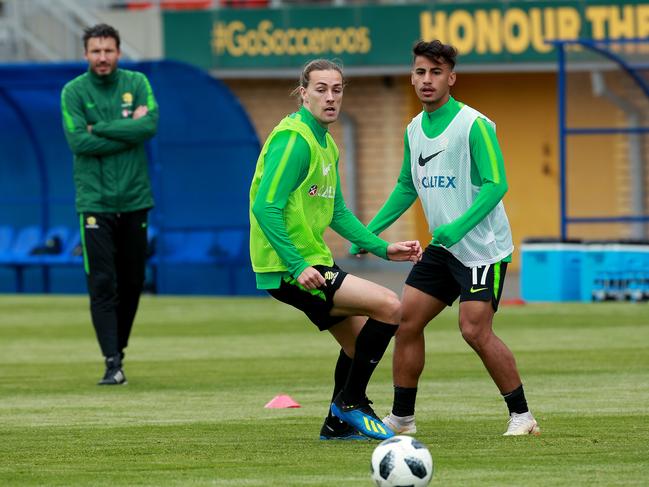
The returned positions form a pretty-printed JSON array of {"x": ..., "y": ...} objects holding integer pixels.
[
  {"x": 634, "y": 72},
  {"x": 201, "y": 164}
]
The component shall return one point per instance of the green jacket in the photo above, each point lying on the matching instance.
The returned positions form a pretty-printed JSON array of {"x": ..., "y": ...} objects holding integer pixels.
[{"x": 110, "y": 164}]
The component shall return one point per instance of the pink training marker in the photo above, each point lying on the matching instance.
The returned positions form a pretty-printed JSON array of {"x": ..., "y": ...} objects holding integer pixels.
[{"x": 282, "y": 401}]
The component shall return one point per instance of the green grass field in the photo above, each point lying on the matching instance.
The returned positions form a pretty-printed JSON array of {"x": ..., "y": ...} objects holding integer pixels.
[{"x": 201, "y": 369}]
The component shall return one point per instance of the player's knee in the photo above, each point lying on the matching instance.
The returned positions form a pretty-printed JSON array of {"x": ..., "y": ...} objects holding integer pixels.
[
  {"x": 391, "y": 307},
  {"x": 410, "y": 327},
  {"x": 408, "y": 335},
  {"x": 103, "y": 284},
  {"x": 474, "y": 332},
  {"x": 132, "y": 285},
  {"x": 386, "y": 307},
  {"x": 470, "y": 335}
]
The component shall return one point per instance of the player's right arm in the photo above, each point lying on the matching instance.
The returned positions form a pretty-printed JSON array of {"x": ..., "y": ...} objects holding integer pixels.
[
  {"x": 286, "y": 165},
  {"x": 75, "y": 128},
  {"x": 402, "y": 197}
]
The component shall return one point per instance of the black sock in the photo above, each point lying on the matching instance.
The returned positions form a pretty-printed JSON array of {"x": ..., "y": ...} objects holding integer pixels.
[
  {"x": 340, "y": 377},
  {"x": 404, "y": 401},
  {"x": 371, "y": 344},
  {"x": 515, "y": 400}
]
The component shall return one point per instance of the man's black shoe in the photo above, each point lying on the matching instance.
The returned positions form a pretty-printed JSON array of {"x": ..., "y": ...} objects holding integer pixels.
[{"x": 114, "y": 374}]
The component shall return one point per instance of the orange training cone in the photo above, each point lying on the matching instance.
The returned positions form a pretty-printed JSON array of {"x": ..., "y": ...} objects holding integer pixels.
[{"x": 282, "y": 401}]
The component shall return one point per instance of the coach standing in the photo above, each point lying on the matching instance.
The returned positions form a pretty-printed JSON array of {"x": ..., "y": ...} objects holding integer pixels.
[{"x": 108, "y": 114}]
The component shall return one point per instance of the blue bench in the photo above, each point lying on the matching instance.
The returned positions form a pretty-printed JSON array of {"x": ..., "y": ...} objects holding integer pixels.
[
  {"x": 212, "y": 247},
  {"x": 177, "y": 250},
  {"x": 27, "y": 247}
]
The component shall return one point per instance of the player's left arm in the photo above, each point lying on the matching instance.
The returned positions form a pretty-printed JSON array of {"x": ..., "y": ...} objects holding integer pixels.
[
  {"x": 144, "y": 122},
  {"x": 345, "y": 223},
  {"x": 488, "y": 172},
  {"x": 402, "y": 197}
]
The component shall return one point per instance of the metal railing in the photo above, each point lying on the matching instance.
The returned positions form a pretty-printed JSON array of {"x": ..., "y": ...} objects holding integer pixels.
[
  {"x": 636, "y": 127},
  {"x": 49, "y": 30}
]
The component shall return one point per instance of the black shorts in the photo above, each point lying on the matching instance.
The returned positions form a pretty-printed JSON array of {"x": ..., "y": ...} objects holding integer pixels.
[
  {"x": 442, "y": 276},
  {"x": 315, "y": 303}
]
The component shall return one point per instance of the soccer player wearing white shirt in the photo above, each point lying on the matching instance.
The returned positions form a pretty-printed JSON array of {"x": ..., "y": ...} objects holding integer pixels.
[{"x": 453, "y": 164}]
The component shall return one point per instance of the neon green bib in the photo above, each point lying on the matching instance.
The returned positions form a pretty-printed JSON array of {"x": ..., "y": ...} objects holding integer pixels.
[{"x": 309, "y": 210}]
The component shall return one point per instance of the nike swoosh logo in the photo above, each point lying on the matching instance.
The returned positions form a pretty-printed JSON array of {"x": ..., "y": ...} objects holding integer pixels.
[
  {"x": 424, "y": 160},
  {"x": 477, "y": 290},
  {"x": 90, "y": 105}
]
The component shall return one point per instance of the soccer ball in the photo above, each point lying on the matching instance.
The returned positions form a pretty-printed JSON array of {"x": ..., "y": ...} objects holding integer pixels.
[{"x": 401, "y": 461}]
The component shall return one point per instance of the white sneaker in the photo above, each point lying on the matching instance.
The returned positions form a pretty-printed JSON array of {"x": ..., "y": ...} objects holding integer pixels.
[
  {"x": 401, "y": 425},
  {"x": 522, "y": 424}
]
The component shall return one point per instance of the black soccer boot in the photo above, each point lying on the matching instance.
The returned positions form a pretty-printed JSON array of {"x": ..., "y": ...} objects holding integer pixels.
[{"x": 114, "y": 374}]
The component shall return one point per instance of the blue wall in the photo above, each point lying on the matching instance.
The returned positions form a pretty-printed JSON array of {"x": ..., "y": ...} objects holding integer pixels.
[{"x": 201, "y": 164}]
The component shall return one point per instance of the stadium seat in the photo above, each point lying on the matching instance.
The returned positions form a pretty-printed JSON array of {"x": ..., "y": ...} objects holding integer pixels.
[
  {"x": 186, "y": 246},
  {"x": 62, "y": 232},
  {"x": 70, "y": 253},
  {"x": 228, "y": 244},
  {"x": 6, "y": 239},
  {"x": 53, "y": 245},
  {"x": 27, "y": 239},
  {"x": 244, "y": 3},
  {"x": 218, "y": 251},
  {"x": 18, "y": 256},
  {"x": 152, "y": 242},
  {"x": 201, "y": 245},
  {"x": 73, "y": 250},
  {"x": 172, "y": 5}
]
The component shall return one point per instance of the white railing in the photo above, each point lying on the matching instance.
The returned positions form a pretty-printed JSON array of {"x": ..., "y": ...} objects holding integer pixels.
[{"x": 50, "y": 30}]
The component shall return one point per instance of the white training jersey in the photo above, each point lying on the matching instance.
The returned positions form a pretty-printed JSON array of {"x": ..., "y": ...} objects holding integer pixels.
[{"x": 441, "y": 173}]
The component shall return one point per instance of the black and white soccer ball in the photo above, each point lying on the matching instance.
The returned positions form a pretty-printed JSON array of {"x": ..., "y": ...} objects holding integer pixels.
[{"x": 401, "y": 461}]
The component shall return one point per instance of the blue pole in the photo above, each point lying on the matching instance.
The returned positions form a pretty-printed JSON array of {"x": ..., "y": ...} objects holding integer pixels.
[{"x": 561, "y": 101}]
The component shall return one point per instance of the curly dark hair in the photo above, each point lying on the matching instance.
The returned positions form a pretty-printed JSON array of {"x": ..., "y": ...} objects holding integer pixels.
[
  {"x": 100, "y": 30},
  {"x": 435, "y": 51}
]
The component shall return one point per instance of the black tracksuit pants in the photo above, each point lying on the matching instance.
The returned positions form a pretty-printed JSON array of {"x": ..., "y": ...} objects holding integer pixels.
[{"x": 114, "y": 255}]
